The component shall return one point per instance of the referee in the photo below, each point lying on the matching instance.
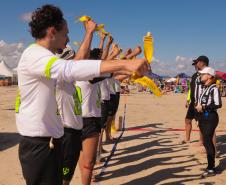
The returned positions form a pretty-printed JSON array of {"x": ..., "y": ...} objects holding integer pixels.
[
  {"x": 208, "y": 103},
  {"x": 200, "y": 63}
]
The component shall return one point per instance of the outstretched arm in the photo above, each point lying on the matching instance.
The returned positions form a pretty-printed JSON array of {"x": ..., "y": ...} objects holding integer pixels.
[
  {"x": 107, "y": 48},
  {"x": 84, "y": 49},
  {"x": 137, "y": 50},
  {"x": 102, "y": 39}
]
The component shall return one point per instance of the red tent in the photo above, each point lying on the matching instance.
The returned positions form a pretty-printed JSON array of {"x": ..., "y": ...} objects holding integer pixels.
[{"x": 221, "y": 75}]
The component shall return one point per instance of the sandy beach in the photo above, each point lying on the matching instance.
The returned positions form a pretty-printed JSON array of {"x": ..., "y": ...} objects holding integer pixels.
[{"x": 148, "y": 153}]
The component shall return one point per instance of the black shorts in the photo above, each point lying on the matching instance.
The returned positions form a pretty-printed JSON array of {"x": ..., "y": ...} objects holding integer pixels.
[
  {"x": 91, "y": 126},
  {"x": 113, "y": 104},
  {"x": 191, "y": 112},
  {"x": 117, "y": 101},
  {"x": 104, "y": 112},
  {"x": 41, "y": 164},
  {"x": 72, "y": 145}
]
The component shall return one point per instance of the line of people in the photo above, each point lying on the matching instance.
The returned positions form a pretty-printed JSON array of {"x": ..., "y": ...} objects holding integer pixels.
[{"x": 63, "y": 104}]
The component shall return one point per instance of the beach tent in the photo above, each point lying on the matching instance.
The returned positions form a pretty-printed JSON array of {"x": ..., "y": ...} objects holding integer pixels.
[
  {"x": 182, "y": 75},
  {"x": 153, "y": 75},
  {"x": 171, "y": 80},
  {"x": 5, "y": 70},
  {"x": 221, "y": 75}
]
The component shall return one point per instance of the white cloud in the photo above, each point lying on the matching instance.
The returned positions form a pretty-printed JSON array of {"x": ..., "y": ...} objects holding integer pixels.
[
  {"x": 155, "y": 59},
  {"x": 182, "y": 59},
  {"x": 181, "y": 64},
  {"x": 26, "y": 17},
  {"x": 11, "y": 53},
  {"x": 219, "y": 65}
]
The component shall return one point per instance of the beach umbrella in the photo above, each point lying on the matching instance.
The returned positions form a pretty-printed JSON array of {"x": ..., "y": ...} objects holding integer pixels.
[
  {"x": 182, "y": 75},
  {"x": 171, "y": 80},
  {"x": 221, "y": 75}
]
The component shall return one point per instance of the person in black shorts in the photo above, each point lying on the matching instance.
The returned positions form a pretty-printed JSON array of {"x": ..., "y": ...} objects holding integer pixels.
[
  {"x": 199, "y": 64},
  {"x": 72, "y": 145},
  {"x": 68, "y": 97}
]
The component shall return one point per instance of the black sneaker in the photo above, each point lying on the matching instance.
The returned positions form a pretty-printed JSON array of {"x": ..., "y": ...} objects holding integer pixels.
[{"x": 208, "y": 173}]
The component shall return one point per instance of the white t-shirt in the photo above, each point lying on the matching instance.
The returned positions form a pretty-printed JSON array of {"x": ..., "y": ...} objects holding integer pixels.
[
  {"x": 91, "y": 99},
  {"x": 111, "y": 85},
  {"x": 105, "y": 93},
  {"x": 69, "y": 104},
  {"x": 38, "y": 70},
  {"x": 117, "y": 86}
]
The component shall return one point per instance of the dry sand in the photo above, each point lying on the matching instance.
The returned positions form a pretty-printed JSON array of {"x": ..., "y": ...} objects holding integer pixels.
[{"x": 149, "y": 154}]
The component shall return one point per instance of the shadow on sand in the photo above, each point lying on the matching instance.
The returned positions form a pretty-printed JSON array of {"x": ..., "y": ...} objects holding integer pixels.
[
  {"x": 156, "y": 142},
  {"x": 221, "y": 147}
]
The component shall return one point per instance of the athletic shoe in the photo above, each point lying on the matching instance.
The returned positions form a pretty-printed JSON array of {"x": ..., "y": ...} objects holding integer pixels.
[{"x": 208, "y": 173}]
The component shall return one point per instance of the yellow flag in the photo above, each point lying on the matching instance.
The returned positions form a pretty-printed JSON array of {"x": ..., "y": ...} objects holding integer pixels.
[
  {"x": 145, "y": 81},
  {"x": 104, "y": 32},
  {"x": 148, "y": 47},
  {"x": 77, "y": 43},
  {"x": 113, "y": 129},
  {"x": 84, "y": 18},
  {"x": 99, "y": 27},
  {"x": 148, "y": 53}
]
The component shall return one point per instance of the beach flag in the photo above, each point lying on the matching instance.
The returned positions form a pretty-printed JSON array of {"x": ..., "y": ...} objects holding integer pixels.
[
  {"x": 148, "y": 47},
  {"x": 146, "y": 81},
  {"x": 148, "y": 53},
  {"x": 113, "y": 129}
]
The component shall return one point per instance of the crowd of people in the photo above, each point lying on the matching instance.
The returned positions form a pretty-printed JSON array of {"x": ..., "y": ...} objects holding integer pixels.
[
  {"x": 67, "y": 100},
  {"x": 168, "y": 86}
]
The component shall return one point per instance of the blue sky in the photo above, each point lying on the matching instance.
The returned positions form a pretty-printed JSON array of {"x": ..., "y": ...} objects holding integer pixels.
[{"x": 182, "y": 29}]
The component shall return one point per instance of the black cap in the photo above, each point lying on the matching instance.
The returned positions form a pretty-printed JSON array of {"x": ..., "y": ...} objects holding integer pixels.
[{"x": 202, "y": 58}]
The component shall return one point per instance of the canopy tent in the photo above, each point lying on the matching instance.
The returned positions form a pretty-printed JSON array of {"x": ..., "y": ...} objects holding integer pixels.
[
  {"x": 182, "y": 75},
  {"x": 5, "y": 70},
  {"x": 221, "y": 75},
  {"x": 171, "y": 80},
  {"x": 153, "y": 75}
]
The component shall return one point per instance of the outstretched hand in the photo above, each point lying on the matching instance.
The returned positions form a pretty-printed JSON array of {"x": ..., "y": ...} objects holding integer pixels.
[
  {"x": 138, "y": 66},
  {"x": 90, "y": 26},
  {"x": 110, "y": 39}
]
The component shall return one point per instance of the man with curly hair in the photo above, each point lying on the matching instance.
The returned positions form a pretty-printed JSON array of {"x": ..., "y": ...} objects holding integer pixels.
[{"x": 37, "y": 117}]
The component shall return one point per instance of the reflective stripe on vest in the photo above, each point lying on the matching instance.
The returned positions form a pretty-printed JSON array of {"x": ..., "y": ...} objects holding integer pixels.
[
  {"x": 77, "y": 96},
  {"x": 189, "y": 95},
  {"x": 98, "y": 102},
  {"x": 18, "y": 102},
  {"x": 48, "y": 67}
]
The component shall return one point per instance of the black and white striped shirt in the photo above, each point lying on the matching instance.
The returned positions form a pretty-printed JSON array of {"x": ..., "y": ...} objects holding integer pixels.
[
  {"x": 198, "y": 88},
  {"x": 210, "y": 98}
]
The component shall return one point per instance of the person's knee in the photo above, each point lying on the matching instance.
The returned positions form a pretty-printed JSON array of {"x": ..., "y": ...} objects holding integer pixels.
[
  {"x": 66, "y": 182},
  {"x": 89, "y": 164},
  {"x": 188, "y": 121}
]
